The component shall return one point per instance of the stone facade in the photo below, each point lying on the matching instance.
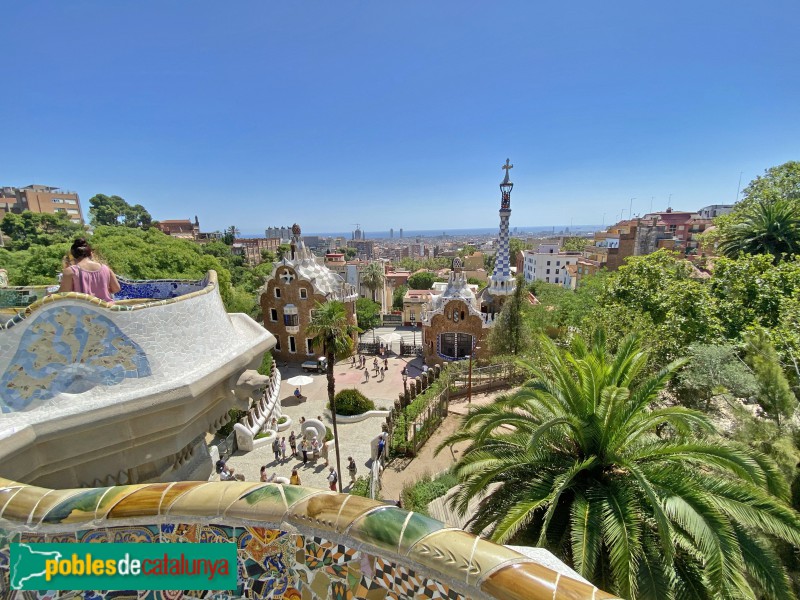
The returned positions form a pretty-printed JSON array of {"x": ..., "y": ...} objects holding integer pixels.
[
  {"x": 455, "y": 319},
  {"x": 297, "y": 284}
]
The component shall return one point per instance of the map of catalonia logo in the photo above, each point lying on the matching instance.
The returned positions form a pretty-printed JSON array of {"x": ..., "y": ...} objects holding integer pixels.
[{"x": 84, "y": 566}]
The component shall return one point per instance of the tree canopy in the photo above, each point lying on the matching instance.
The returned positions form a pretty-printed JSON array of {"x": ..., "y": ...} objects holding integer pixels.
[
  {"x": 39, "y": 229},
  {"x": 114, "y": 211},
  {"x": 422, "y": 280},
  {"x": 644, "y": 501}
]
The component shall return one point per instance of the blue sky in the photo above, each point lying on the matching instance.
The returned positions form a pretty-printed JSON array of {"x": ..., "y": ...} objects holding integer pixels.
[{"x": 398, "y": 114}]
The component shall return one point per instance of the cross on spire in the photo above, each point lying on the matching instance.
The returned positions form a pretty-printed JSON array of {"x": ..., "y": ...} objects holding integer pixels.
[{"x": 507, "y": 167}]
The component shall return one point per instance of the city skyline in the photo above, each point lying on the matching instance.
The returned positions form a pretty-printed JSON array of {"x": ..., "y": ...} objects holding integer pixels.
[{"x": 398, "y": 116}]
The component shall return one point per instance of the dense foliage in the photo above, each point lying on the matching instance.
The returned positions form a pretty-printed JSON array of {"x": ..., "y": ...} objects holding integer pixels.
[
  {"x": 113, "y": 211},
  {"x": 644, "y": 500},
  {"x": 423, "y": 280},
  {"x": 425, "y": 490},
  {"x": 368, "y": 313},
  {"x": 353, "y": 402}
]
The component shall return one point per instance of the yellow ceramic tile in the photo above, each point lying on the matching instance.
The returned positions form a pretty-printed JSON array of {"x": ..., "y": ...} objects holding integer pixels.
[
  {"x": 329, "y": 510},
  {"x": 23, "y": 503},
  {"x": 447, "y": 551},
  {"x": 204, "y": 500},
  {"x": 142, "y": 502}
]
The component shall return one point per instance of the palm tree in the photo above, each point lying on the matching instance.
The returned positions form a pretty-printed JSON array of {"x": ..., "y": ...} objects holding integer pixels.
[
  {"x": 373, "y": 276},
  {"x": 332, "y": 330},
  {"x": 640, "y": 499},
  {"x": 766, "y": 228}
]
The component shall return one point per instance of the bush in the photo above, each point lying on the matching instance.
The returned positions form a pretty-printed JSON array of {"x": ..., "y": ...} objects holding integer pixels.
[
  {"x": 266, "y": 364},
  {"x": 361, "y": 487},
  {"x": 282, "y": 420},
  {"x": 416, "y": 497},
  {"x": 353, "y": 402},
  {"x": 328, "y": 434}
]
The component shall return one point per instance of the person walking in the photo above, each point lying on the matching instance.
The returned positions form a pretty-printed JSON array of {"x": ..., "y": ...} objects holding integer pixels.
[
  {"x": 304, "y": 450},
  {"x": 283, "y": 448},
  {"x": 263, "y": 476},
  {"x": 293, "y": 443},
  {"x": 295, "y": 478},
  {"x": 352, "y": 469},
  {"x": 383, "y": 371},
  {"x": 333, "y": 478},
  {"x": 366, "y": 375},
  {"x": 353, "y": 362},
  {"x": 385, "y": 364},
  {"x": 381, "y": 446},
  {"x": 276, "y": 448}
]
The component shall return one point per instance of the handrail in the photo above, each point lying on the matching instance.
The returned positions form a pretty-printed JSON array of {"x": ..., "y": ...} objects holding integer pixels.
[{"x": 469, "y": 565}]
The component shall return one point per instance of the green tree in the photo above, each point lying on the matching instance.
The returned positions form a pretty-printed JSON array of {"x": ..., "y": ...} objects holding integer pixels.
[
  {"x": 714, "y": 370},
  {"x": 397, "y": 297},
  {"x": 774, "y": 394},
  {"x": 422, "y": 280},
  {"x": 231, "y": 233},
  {"x": 349, "y": 253},
  {"x": 633, "y": 496},
  {"x": 574, "y": 244},
  {"x": 115, "y": 211},
  {"x": 331, "y": 329},
  {"x": 373, "y": 277},
  {"x": 771, "y": 228},
  {"x": 368, "y": 313},
  {"x": 39, "y": 229},
  {"x": 467, "y": 250},
  {"x": 663, "y": 287},
  {"x": 283, "y": 251},
  {"x": 510, "y": 334}
]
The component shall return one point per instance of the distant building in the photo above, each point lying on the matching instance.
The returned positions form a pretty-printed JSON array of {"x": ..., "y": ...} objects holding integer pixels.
[
  {"x": 41, "y": 199},
  {"x": 284, "y": 234},
  {"x": 415, "y": 303},
  {"x": 251, "y": 248},
  {"x": 715, "y": 210},
  {"x": 297, "y": 283},
  {"x": 181, "y": 228},
  {"x": 365, "y": 248},
  {"x": 547, "y": 263}
]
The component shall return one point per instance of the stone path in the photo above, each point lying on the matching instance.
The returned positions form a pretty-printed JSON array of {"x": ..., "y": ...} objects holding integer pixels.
[{"x": 354, "y": 438}]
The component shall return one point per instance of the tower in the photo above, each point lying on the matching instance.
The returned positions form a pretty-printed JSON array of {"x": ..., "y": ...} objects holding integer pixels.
[{"x": 502, "y": 283}]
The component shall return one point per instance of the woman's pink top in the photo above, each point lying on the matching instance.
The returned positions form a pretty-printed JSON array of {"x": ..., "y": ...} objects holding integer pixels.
[{"x": 92, "y": 282}]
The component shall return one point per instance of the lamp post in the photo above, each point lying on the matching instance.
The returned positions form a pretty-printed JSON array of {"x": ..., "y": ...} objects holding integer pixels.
[
  {"x": 414, "y": 325},
  {"x": 469, "y": 393}
]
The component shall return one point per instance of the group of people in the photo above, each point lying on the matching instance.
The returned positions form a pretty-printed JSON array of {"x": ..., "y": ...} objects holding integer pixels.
[{"x": 379, "y": 366}]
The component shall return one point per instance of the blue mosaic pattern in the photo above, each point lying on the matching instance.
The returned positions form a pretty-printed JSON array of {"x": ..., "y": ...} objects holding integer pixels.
[
  {"x": 68, "y": 349},
  {"x": 157, "y": 289}
]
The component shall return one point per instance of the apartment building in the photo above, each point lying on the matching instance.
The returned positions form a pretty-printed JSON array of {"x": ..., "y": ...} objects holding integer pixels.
[{"x": 41, "y": 199}]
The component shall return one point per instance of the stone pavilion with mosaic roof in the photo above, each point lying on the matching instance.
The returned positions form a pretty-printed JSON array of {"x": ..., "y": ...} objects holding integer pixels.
[{"x": 297, "y": 283}]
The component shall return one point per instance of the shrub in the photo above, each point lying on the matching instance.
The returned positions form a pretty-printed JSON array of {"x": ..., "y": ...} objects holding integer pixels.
[
  {"x": 266, "y": 364},
  {"x": 328, "y": 434},
  {"x": 282, "y": 420},
  {"x": 361, "y": 487},
  {"x": 353, "y": 402},
  {"x": 417, "y": 496}
]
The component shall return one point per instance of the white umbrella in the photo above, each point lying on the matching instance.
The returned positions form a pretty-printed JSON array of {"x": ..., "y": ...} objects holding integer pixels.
[
  {"x": 300, "y": 380},
  {"x": 390, "y": 338}
]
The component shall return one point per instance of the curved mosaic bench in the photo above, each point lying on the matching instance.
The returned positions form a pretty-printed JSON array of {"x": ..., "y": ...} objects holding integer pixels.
[{"x": 293, "y": 542}]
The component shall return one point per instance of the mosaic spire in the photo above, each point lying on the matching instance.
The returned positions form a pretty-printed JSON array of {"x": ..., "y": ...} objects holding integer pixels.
[{"x": 502, "y": 282}]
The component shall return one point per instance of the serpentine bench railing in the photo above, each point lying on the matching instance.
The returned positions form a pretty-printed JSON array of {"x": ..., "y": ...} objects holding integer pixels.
[
  {"x": 293, "y": 542},
  {"x": 260, "y": 414}
]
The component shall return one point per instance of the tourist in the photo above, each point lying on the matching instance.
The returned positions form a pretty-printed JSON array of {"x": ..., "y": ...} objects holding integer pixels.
[
  {"x": 333, "y": 478},
  {"x": 375, "y": 364},
  {"x": 297, "y": 393},
  {"x": 353, "y": 361},
  {"x": 87, "y": 275},
  {"x": 295, "y": 478},
  {"x": 404, "y": 371},
  {"x": 263, "y": 476},
  {"x": 382, "y": 372},
  {"x": 315, "y": 448},
  {"x": 323, "y": 449},
  {"x": 293, "y": 443},
  {"x": 304, "y": 449},
  {"x": 352, "y": 469},
  {"x": 227, "y": 473},
  {"x": 276, "y": 448},
  {"x": 385, "y": 364},
  {"x": 366, "y": 375},
  {"x": 424, "y": 368},
  {"x": 274, "y": 424},
  {"x": 381, "y": 446},
  {"x": 302, "y": 420},
  {"x": 283, "y": 448}
]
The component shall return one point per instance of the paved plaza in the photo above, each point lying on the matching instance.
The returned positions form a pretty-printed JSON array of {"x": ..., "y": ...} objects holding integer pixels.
[{"x": 354, "y": 438}]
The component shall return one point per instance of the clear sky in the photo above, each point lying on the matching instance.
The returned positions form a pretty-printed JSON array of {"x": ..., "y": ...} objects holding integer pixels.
[{"x": 398, "y": 114}]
